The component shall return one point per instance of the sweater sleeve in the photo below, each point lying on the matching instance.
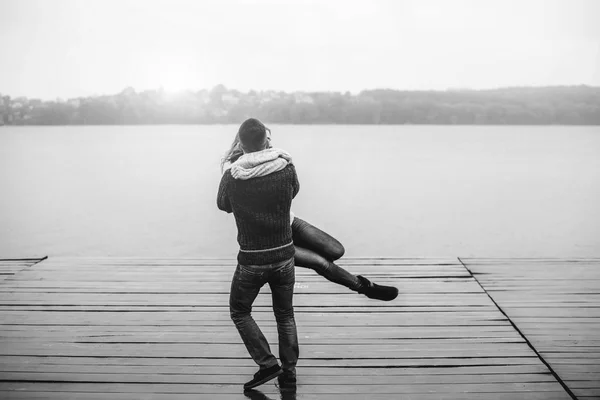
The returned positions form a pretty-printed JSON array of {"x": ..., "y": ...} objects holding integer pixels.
[
  {"x": 222, "y": 199},
  {"x": 295, "y": 182}
]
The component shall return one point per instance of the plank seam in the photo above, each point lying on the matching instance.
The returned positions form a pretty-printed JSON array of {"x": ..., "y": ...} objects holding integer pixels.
[
  {"x": 39, "y": 261},
  {"x": 552, "y": 371},
  {"x": 24, "y": 259}
]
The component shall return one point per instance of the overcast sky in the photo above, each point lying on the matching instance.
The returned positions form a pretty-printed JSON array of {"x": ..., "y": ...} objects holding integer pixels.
[{"x": 69, "y": 48}]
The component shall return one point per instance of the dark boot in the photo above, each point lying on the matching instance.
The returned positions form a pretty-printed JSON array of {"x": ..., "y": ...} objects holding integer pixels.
[
  {"x": 375, "y": 291},
  {"x": 263, "y": 375}
]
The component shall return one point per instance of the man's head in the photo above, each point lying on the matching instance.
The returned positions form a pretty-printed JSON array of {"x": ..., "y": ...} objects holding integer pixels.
[{"x": 253, "y": 135}]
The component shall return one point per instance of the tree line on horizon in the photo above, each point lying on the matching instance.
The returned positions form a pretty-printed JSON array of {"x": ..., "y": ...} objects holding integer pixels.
[{"x": 560, "y": 105}]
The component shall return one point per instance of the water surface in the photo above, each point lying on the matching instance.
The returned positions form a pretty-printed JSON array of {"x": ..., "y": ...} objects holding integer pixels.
[{"x": 381, "y": 190}]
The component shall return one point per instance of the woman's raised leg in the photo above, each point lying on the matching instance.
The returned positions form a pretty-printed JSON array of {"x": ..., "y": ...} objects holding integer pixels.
[
  {"x": 317, "y": 250},
  {"x": 310, "y": 259},
  {"x": 312, "y": 238}
]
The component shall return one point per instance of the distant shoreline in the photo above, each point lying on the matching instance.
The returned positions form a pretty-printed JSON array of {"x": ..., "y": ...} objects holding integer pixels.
[{"x": 558, "y": 105}]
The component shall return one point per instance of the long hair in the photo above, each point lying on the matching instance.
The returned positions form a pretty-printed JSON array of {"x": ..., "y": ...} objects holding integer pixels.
[{"x": 235, "y": 150}]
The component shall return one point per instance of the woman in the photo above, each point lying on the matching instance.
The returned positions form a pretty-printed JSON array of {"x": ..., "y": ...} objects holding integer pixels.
[{"x": 315, "y": 249}]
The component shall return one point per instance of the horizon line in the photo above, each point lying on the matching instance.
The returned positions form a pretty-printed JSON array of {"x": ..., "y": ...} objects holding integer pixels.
[{"x": 180, "y": 91}]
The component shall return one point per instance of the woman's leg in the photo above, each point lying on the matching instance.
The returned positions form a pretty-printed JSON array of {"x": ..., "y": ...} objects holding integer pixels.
[
  {"x": 312, "y": 238},
  {"x": 317, "y": 250},
  {"x": 308, "y": 258}
]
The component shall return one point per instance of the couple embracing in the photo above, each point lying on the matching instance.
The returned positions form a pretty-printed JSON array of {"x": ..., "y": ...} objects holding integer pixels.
[{"x": 258, "y": 186}]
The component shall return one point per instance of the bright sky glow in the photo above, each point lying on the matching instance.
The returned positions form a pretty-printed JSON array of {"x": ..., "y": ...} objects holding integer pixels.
[{"x": 68, "y": 48}]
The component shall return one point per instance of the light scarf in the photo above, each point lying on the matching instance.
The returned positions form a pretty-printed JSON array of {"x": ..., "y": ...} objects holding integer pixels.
[{"x": 260, "y": 163}]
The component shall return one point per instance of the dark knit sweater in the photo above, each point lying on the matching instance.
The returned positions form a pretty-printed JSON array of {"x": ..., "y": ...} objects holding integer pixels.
[{"x": 261, "y": 207}]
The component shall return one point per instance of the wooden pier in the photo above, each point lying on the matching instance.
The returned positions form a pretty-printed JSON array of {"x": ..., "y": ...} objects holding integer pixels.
[{"x": 135, "y": 328}]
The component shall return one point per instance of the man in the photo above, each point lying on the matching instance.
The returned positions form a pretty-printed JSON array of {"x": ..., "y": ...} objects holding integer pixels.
[{"x": 260, "y": 200}]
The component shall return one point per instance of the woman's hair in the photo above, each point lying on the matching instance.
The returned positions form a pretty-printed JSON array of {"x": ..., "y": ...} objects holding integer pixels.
[
  {"x": 251, "y": 136},
  {"x": 234, "y": 152}
]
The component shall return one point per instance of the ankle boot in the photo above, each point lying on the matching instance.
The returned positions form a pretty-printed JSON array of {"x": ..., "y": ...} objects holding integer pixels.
[{"x": 375, "y": 291}]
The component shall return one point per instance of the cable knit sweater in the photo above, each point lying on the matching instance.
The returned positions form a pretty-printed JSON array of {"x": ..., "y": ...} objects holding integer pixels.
[
  {"x": 261, "y": 207},
  {"x": 261, "y": 163}
]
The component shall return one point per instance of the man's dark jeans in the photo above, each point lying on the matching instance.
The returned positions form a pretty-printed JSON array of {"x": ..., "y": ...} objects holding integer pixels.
[{"x": 246, "y": 283}]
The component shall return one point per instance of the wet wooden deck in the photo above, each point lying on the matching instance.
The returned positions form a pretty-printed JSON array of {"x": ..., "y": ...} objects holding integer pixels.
[
  {"x": 555, "y": 304},
  {"x": 160, "y": 329}
]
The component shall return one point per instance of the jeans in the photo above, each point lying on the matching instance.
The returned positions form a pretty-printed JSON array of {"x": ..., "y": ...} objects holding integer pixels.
[
  {"x": 245, "y": 285},
  {"x": 317, "y": 250}
]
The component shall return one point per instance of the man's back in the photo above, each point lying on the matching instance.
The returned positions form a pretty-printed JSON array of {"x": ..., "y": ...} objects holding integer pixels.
[{"x": 261, "y": 207}]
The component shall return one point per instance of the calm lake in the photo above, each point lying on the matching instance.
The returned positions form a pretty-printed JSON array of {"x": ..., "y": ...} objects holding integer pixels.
[{"x": 401, "y": 191}]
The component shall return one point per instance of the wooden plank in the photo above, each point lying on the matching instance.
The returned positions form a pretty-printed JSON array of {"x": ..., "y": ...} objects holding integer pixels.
[
  {"x": 417, "y": 362},
  {"x": 593, "y": 393},
  {"x": 392, "y": 309},
  {"x": 107, "y": 366},
  {"x": 410, "y": 261},
  {"x": 197, "y": 317},
  {"x": 330, "y": 337},
  {"x": 259, "y": 395},
  {"x": 507, "y": 387},
  {"x": 232, "y": 378},
  {"x": 179, "y": 350}
]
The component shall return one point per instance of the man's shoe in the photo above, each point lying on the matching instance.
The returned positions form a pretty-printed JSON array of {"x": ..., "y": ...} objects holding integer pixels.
[
  {"x": 263, "y": 375},
  {"x": 375, "y": 291},
  {"x": 287, "y": 382}
]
